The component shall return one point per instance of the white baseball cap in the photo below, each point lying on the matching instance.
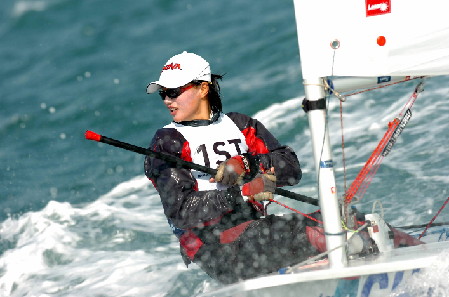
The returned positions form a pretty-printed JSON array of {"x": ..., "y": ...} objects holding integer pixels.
[{"x": 180, "y": 70}]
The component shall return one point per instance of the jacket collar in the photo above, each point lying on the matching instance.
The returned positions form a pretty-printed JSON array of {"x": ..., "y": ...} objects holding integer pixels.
[{"x": 197, "y": 123}]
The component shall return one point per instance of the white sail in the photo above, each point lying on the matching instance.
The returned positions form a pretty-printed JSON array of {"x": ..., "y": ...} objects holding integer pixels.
[{"x": 373, "y": 37}]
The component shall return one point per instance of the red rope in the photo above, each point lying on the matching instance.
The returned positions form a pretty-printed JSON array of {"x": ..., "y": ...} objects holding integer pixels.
[
  {"x": 297, "y": 211},
  {"x": 433, "y": 219}
]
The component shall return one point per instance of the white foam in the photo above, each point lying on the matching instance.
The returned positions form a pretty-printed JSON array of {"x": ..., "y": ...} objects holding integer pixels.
[
  {"x": 431, "y": 281},
  {"x": 22, "y": 7},
  {"x": 66, "y": 250}
]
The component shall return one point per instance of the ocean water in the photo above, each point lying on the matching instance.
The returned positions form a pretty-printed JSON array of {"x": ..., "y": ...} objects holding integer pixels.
[{"x": 78, "y": 218}]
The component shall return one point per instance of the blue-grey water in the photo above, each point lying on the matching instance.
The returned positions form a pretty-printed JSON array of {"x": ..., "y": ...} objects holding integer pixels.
[{"x": 78, "y": 218}]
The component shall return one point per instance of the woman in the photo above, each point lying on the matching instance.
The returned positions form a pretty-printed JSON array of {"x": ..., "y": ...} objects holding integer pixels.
[{"x": 219, "y": 220}]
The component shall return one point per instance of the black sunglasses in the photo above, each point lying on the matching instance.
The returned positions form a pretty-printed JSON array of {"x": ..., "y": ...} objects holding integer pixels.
[{"x": 174, "y": 93}]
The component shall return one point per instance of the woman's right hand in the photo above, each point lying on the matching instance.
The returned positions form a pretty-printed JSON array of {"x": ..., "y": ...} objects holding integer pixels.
[{"x": 232, "y": 171}]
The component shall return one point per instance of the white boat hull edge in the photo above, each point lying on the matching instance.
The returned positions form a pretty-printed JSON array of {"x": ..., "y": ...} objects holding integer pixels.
[{"x": 367, "y": 277}]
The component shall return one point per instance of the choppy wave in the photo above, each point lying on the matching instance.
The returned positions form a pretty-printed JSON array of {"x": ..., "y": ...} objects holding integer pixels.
[{"x": 119, "y": 245}]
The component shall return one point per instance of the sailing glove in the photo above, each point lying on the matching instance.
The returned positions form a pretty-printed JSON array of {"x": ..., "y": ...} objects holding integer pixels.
[
  {"x": 232, "y": 171},
  {"x": 261, "y": 188}
]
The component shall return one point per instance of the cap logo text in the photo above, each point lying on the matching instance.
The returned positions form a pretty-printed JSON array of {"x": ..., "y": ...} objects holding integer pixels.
[{"x": 172, "y": 66}]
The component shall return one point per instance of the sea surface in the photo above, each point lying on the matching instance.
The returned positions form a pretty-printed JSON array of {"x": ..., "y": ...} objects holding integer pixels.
[{"x": 79, "y": 218}]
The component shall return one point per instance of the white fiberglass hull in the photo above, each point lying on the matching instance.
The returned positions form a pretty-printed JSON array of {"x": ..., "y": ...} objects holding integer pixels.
[{"x": 372, "y": 276}]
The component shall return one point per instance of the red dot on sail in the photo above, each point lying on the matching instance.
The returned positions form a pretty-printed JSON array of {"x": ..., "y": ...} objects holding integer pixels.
[{"x": 381, "y": 40}]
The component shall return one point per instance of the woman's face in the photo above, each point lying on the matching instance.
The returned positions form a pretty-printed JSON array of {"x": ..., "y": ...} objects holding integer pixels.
[{"x": 192, "y": 104}]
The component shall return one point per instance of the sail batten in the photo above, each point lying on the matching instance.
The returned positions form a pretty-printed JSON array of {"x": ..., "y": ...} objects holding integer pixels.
[{"x": 345, "y": 38}]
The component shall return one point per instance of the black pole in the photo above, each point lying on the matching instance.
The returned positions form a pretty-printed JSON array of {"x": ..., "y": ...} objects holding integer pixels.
[{"x": 185, "y": 164}]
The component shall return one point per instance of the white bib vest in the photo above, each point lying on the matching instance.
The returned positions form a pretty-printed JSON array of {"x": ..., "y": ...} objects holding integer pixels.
[{"x": 212, "y": 144}]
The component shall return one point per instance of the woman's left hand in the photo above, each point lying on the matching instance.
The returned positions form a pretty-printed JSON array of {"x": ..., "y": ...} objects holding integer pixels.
[{"x": 262, "y": 187}]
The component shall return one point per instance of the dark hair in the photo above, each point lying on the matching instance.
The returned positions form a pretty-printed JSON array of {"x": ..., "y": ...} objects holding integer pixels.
[{"x": 214, "y": 93}]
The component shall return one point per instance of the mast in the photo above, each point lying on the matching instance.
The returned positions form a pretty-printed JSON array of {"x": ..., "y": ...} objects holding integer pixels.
[{"x": 315, "y": 107}]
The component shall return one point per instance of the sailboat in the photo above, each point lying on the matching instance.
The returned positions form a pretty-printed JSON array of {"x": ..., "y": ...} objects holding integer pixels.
[{"x": 345, "y": 46}]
